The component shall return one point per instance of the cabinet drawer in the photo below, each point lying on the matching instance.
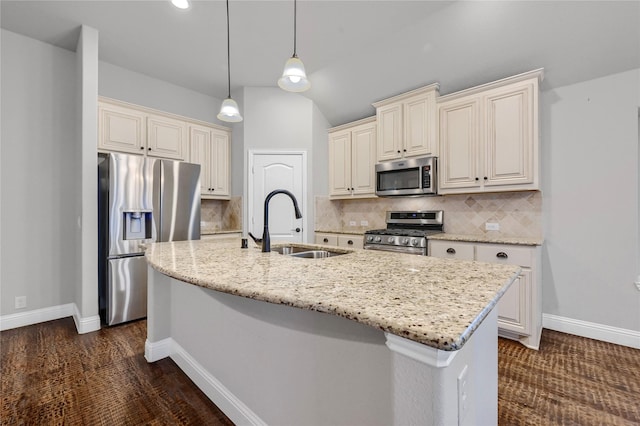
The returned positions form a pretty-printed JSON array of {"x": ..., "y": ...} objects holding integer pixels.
[
  {"x": 451, "y": 250},
  {"x": 327, "y": 239},
  {"x": 512, "y": 255},
  {"x": 350, "y": 241}
]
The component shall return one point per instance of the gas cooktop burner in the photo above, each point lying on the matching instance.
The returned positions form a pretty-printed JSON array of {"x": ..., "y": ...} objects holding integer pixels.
[{"x": 406, "y": 232}]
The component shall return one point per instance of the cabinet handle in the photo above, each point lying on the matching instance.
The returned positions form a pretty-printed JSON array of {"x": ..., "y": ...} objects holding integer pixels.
[
  {"x": 142, "y": 147},
  {"x": 502, "y": 255},
  {"x": 451, "y": 250},
  {"x": 149, "y": 149},
  {"x": 350, "y": 242},
  {"x": 325, "y": 240},
  {"x": 477, "y": 179},
  {"x": 398, "y": 151},
  {"x": 486, "y": 178},
  {"x": 404, "y": 150}
]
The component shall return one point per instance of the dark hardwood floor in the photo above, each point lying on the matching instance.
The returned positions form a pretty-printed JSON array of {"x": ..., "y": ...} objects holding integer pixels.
[{"x": 52, "y": 375}]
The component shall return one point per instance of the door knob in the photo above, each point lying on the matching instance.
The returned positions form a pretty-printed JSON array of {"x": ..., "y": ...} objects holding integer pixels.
[{"x": 297, "y": 229}]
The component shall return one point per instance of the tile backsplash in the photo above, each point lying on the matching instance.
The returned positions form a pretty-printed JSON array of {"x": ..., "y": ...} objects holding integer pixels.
[
  {"x": 519, "y": 214},
  {"x": 221, "y": 215}
]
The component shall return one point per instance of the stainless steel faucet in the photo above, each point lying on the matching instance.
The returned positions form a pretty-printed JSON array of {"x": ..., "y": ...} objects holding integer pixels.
[{"x": 266, "y": 240}]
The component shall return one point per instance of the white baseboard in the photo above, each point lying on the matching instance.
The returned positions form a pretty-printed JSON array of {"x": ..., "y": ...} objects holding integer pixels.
[
  {"x": 22, "y": 319},
  {"x": 36, "y": 316},
  {"x": 158, "y": 350},
  {"x": 619, "y": 336},
  {"x": 232, "y": 407},
  {"x": 85, "y": 325}
]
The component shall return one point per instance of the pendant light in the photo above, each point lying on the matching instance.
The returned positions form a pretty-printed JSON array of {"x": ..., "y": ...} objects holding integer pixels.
[
  {"x": 294, "y": 78},
  {"x": 229, "y": 109}
]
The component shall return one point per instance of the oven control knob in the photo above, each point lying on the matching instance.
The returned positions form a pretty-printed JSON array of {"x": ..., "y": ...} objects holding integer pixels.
[
  {"x": 405, "y": 241},
  {"x": 414, "y": 241},
  {"x": 369, "y": 238},
  {"x": 377, "y": 239},
  {"x": 390, "y": 240}
]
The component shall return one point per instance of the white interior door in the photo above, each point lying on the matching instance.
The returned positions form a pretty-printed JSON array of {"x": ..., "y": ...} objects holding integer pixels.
[{"x": 268, "y": 172}]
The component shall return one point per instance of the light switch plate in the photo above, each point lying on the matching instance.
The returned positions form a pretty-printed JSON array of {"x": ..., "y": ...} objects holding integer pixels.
[
  {"x": 364, "y": 223},
  {"x": 492, "y": 226},
  {"x": 352, "y": 223}
]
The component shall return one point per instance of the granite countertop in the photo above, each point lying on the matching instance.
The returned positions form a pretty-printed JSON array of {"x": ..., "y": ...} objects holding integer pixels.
[
  {"x": 215, "y": 231},
  {"x": 436, "y": 302},
  {"x": 495, "y": 239},
  {"x": 351, "y": 232}
]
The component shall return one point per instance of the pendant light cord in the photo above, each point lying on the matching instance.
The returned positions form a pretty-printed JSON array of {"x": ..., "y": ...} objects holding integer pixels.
[
  {"x": 295, "y": 14},
  {"x": 229, "y": 54}
]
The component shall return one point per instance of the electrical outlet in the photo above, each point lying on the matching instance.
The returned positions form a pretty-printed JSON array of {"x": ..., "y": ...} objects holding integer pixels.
[
  {"x": 21, "y": 302},
  {"x": 352, "y": 223},
  {"x": 364, "y": 223},
  {"x": 637, "y": 282},
  {"x": 492, "y": 226},
  {"x": 463, "y": 393}
]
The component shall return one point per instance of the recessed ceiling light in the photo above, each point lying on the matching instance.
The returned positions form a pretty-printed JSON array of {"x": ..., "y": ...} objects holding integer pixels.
[{"x": 181, "y": 4}]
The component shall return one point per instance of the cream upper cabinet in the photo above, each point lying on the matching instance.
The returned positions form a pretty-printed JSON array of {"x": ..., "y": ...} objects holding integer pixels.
[
  {"x": 352, "y": 158},
  {"x": 209, "y": 147},
  {"x": 167, "y": 137},
  {"x": 407, "y": 124},
  {"x": 489, "y": 137},
  {"x": 121, "y": 129}
]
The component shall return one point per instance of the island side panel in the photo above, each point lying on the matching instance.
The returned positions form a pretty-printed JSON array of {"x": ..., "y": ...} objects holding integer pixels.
[
  {"x": 285, "y": 365},
  {"x": 158, "y": 344},
  {"x": 433, "y": 396}
]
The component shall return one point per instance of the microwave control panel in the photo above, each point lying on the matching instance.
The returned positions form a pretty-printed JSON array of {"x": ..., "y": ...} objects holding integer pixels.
[{"x": 426, "y": 176}]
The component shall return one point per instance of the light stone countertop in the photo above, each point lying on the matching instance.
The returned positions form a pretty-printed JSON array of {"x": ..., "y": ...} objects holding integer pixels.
[
  {"x": 215, "y": 231},
  {"x": 437, "y": 302},
  {"x": 495, "y": 239}
]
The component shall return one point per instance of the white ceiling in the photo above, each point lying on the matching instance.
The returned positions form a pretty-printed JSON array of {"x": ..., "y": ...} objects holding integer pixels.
[{"x": 355, "y": 52}]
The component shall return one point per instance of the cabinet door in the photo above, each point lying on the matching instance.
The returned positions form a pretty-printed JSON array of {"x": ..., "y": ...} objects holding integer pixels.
[
  {"x": 459, "y": 144},
  {"x": 513, "y": 307},
  {"x": 350, "y": 241},
  {"x": 389, "y": 119},
  {"x": 167, "y": 138},
  {"x": 420, "y": 126},
  {"x": 220, "y": 162},
  {"x": 121, "y": 129},
  {"x": 509, "y": 153},
  {"x": 200, "y": 153},
  {"x": 363, "y": 159},
  {"x": 340, "y": 163}
]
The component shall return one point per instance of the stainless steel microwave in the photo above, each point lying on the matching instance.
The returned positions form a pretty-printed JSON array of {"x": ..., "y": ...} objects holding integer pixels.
[{"x": 409, "y": 177}]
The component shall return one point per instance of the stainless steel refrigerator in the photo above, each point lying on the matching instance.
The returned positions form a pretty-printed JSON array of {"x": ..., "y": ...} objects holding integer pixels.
[{"x": 140, "y": 200}]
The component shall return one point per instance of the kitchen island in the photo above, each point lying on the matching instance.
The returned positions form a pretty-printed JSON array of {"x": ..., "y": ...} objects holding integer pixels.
[{"x": 362, "y": 338}]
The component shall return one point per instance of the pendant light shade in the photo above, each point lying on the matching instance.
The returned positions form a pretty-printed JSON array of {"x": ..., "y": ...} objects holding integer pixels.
[
  {"x": 229, "y": 110},
  {"x": 294, "y": 77}
]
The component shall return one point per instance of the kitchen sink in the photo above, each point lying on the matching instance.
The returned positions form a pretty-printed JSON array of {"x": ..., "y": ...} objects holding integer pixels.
[{"x": 306, "y": 252}]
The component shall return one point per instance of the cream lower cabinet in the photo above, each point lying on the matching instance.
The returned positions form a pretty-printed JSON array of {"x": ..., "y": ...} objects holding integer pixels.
[
  {"x": 520, "y": 308},
  {"x": 352, "y": 159},
  {"x": 209, "y": 147},
  {"x": 340, "y": 240},
  {"x": 488, "y": 137},
  {"x": 407, "y": 124}
]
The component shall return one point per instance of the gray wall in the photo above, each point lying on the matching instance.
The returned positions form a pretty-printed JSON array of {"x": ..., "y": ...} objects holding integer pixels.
[
  {"x": 590, "y": 201},
  {"x": 129, "y": 86},
  {"x": 275, "y": 120},
  {"x": 38, "y": 174}
]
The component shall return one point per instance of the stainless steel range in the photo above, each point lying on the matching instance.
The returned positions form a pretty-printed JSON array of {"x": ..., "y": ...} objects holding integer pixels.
[{"x": 406, "y": 232}]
